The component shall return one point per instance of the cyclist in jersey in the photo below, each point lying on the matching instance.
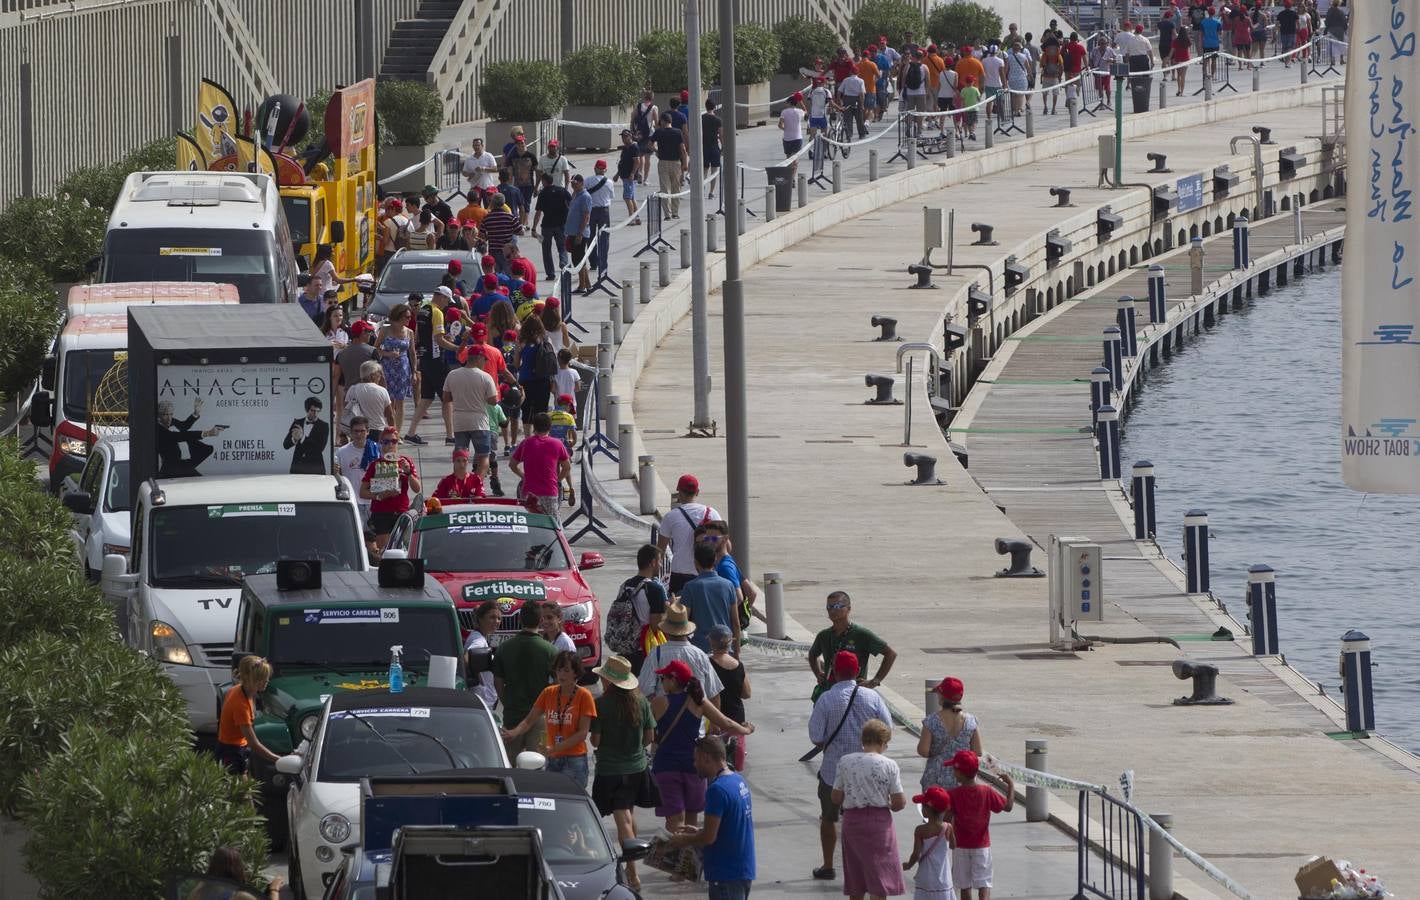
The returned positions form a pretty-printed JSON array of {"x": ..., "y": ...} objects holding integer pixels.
[{"x": 819, "y": 99}]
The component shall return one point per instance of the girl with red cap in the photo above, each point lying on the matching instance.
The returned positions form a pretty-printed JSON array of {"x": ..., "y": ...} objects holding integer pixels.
[
  {"x": 931, "y": 847},
  {"x": 944, "y": 733}
]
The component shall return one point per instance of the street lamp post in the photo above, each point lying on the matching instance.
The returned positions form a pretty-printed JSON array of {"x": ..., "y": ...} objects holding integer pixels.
[{"x": 699, "y": 305}]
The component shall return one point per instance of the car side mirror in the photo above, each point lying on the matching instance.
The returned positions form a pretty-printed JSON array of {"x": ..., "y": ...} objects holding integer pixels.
[
  {"x": 529, "y": 761},
  {"x": 591, "y": 560},
  {"x": 337, "y": 232},
  {"x": 477, "y": 661},
  {"x": 93, "y": 263},
  {"x": 79, "y": 502},
  {"x": 301, "y": 263},
  {"x": 633, "y": 849},
  {"x": 392, "y": 553},
  {"x": 42, "y": 410},
  {"x": 47, "y": 372},
  {"x": 290, "y": 764}
]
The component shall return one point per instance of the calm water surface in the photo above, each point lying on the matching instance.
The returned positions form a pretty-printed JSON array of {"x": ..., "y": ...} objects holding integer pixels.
[{"x": 1243, "y": 424}]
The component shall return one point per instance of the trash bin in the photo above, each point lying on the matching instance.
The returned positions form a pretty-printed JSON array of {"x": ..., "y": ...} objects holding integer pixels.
[
  {"x": 1139, "y": 88},
  {"x": 782, "y": 177}
]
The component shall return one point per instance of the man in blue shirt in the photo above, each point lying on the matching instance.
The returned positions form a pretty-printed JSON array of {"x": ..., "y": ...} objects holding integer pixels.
[
  {"x": 717, "y": 533},
  {"x": 728, "y": 835},
  {"x": 1211, "y": 28},
  {"x": 579, "y": 228},
  {"x": 710, "y": 599}
]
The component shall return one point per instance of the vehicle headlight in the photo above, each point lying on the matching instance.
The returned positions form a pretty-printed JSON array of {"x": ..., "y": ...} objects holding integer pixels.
[
  {"x": 335, "y": 828},
  {"x": 578, "y": 613},
  {"x": 168, "y": 645},
  {"x": 74, "y": 446},
  {"x": 308, "y": 726}
]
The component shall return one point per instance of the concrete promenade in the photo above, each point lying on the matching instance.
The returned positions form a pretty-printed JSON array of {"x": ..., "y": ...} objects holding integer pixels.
[{"x": 1256, "y": 787}]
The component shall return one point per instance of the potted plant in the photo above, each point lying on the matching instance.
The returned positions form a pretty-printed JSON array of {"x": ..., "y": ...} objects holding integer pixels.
[
  {"x": 522, "y": 92},
  {"x": 411, "y": 114},
  {"x": 756, "y": 60},
  {"x": 801, "y": 41},
  {"x": 603, "y": 84}
]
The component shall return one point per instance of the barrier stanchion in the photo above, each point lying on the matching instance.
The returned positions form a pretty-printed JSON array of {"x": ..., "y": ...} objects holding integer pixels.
[
  {"x": 901, "y": 139},
  {"x": 744, "y": 206},
  {"x": 591, "y": 414},
  {"x": 564, "y": 290},
  {"x": 654, "y": 225},
  {"x": 1227, "y": 84},
  {"x": 817, "y": 176},
  {"x": 604, "y": 280}
]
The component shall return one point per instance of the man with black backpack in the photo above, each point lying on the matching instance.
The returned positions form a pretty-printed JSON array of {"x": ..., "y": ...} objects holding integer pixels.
[
  {"x": 433, "y": 340},
  {"x": 640, "y": 604},
  {"x": 678, "y": 530},
  {"x": 914, "y": 90}
]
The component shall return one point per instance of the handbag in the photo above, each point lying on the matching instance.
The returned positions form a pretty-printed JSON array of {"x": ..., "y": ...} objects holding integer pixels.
[{"x": 819, "y": 748}]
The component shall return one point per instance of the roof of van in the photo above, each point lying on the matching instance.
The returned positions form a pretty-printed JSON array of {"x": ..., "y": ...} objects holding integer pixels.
[
  {"x": 182, "y": 328},
  {"x": 92, "y": 324},
  {"x": 237, "y": 489},
  {"x": 196, "y": 200},
  {"x": 120, "y": 295},
  {"x": 348, "y": 588}
]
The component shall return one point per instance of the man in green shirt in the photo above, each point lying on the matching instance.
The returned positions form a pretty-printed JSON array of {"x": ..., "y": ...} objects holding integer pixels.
[
  {"x": 522, "y": 667},
  {"x": 845, "y": 635}
]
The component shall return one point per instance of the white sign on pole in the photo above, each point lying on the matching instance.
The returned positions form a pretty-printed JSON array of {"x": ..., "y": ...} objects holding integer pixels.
[{"x": 1380, "y": 410}]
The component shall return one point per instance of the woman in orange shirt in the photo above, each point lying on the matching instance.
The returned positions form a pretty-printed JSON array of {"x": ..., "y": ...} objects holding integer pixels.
[
  {"x": 567, "y": 711},
  {"x": 236, "y": 739}
]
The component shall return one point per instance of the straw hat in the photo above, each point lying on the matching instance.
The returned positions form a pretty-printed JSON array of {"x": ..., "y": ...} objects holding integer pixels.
[
  {"x": 617, "y": 670},
  {"x": 677, "y": 621}
]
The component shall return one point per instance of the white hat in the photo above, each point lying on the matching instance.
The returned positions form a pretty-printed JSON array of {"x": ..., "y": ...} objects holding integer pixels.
[{"x": 445, "y": 290}]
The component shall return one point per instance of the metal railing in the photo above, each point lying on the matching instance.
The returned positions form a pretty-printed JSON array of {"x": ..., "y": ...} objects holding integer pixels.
[
  {"x": 1117, "y": 873},
  {"x": 460, "y": 56},
  {"x": 256, "y": 73}
]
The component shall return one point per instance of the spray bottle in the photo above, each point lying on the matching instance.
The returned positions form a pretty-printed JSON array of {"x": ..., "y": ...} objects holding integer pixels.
[{"x": 396, "y": 670}]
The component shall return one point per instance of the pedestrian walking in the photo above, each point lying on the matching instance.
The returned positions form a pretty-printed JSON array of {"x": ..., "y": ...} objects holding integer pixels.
[
  {"x": 431, "y": 333},
  {"x": 553, "y": 204},
  {"x": 521, "y": 669},
  {"x": 395, "y": 341},
  {"x": 791, "y": 122},
  {"x": 716, "y": 532},
  {"x": 679, "y": 710},
  {"x": 841, "y": 635},
  {"x": 710, "y": 127},
  {"x": 355, "y": 456},
  {"x": 541, "y": 461},
  {"x": 470, "y": 391},
  {"x": 678, "y": 530},
  {"x": 639, "y": 606},
  {"x": 368, "y": 399},
  {"x": 710, "y": 599},
  {"x": 386, "y": 485},
  {"x": 733, "y": 676},
  {"x": 535, "y": 380},
  {"x": 479, "y": 168},
  {"x": 972, "y": 807},
  {"x": 1182, "y": 53},
  {"x": 727, "y": 840},
  {"x": 643, "y": 125},
  {"x": 628, "y": 163},
  {"x": 579, "y": 231},
  {"x": 931, "y": 848},
  {"x": 1018, "y": 77},
  {"x": 566, "y": 710},
  {"x": 944, "y": 732},
  {"x": 676, "y": 628},
  {"x": 236, "y": 737},
  {"x": 623, "y": 727},
  {"x": 836, "y": 727},
  {"x": 868, "y": 788},
  {"x": 672, "y": 162}
]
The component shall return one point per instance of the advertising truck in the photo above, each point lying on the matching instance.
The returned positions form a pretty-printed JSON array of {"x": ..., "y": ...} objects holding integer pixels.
[{"x": 229, "y": 462}]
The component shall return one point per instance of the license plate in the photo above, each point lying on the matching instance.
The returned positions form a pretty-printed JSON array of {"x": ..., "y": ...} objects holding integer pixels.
[{"x": 499, "y": 637}]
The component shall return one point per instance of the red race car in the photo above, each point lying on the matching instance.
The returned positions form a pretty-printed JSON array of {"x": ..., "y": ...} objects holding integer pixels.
[{"x": 496, "y": 549}]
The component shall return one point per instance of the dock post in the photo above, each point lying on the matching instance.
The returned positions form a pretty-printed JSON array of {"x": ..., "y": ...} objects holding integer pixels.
[
  {"x": 1241, "y": 257},
  {"x": 663, "y": 271},
  {"x": 1107, "y": 435},
  {"x": 625, "y": 462},
  {"x": 1124, "y": 316},
  {"x": 1262, "y": 610},
  {"x": 628, "y": 302},
  {"x": 1158, "y": 296},
  {"x": 774, "y": 605},
  {"x": 1037, "y": 798},
  {"x": 931, "y": 699},
  {"x": 646, "y": 293},
  {"x": 1195, "y": 266},
  {"x": 1100, "y": 382},
  {"x": 770, "y": 209},
  {"x": 646, "y": 483},
  {"x": 1356, "y": 682},
  {"x": 712, "y": 234},
  {"x": 1113, "y": 357},
  {"x": 1160, "y": 860},
  {"x": 1195, "y": 547},
  {"x": 685, "y": 247},
  {"x": 614, "y": 316},
  {"x": 1141, "y": 489}
]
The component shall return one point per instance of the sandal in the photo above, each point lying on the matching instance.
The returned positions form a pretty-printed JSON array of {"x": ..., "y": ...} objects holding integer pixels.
[{"x": 825, "y": 873}]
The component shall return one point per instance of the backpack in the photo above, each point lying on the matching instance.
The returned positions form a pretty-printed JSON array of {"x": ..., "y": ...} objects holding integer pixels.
[
  {"x": 623, "y": 629},
  {"x": 404, "y": 227},
  {"x": 545, "y": 362},
  {"x": 912, "y": 78},
  {"x": 424, "y": 329}
]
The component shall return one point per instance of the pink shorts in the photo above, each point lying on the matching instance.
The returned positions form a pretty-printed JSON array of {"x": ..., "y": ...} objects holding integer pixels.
[{"x": 681, "y": 792}]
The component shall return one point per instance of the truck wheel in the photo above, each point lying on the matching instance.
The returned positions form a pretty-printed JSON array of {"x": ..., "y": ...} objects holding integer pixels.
[{"x": 278, "y": 826}]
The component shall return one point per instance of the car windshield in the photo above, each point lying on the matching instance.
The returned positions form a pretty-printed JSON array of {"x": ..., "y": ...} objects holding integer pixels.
[
  {"x": 247, "y": 259},
  {"x": 201, "y": 546},
  {"x": 508, "y": 539},
  {"x": 399, "y": 740},
  {"x": 572, "y": 836},
  {"x": 83, "y": 370},
  {"x": 359, "y": 637},
  {"x": 407, "y": 277},
  {"x": 298, "y": 218},
  {"x": 116, "y": 488}
]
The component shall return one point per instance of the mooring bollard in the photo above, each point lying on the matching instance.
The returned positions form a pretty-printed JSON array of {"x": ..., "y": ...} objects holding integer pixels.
[
  {"x": 646, "y": 483},
  {"x": 625, "y": 462},
  {"x": 1037, "y": 798},
  {"x": 931, "y": 700},
  {"x": 1070, "y": 107},
  {"x": 802, "y": 190},
  {"x": 1262, "y": 610},
  {"x": 774, "y": 606},
  {"x": 990, "y": 135},
  {"x": 1107, "y": 435},
  {"x": 1356, "y": 682},
  {"x": 1195, "y": 550},
  {"x": 1241, "y": 255},
  {"x": 663, "y": 264},
  {"x": 949, "y": 140},
  {"x": 1160, "y": 859},
  {"x": 837, "y": 176},
  {"x": 769, "y": 208},
  {"x": 1141, "y": 491},
  {"x": 872, "y": 164},
  {"x": 603, "y": 386},
  {"x": 1158, "y": 298},
  {"x": 614, "y": 315},
  {"x": 685, "y": 248},
  {"x": 1256, "y": 80},
  {"x": 912, "y": 153},
  {"x": 628, "y": 302},
  {"x": 1114, "y": 357},
  {"x": 606, "y": 356},
  {"x": 1163, "y": 93},
  {"x": 1100, "y": 383},
  {"x": 1207, "y": 85},
  {"x": 1030, "y": 122},
  {"x": 1195, "y": 266},
  {"x": 741, "y": 217},
  {"x": 1124, "y": 314},
  {"x": 612, "y": 414},
  {"x": 646, "y": 292},
  {"x": 712, "y": 233}
]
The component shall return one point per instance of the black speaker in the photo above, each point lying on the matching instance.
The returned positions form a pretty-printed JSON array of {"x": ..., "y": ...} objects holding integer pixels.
[
  {"x": 401, "y": 573},
  {"x": 298, "y": 574}
]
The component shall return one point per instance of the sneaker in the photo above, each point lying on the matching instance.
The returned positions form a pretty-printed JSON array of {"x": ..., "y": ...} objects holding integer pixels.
[
  {"x": 415, "y": 439},
  {"x": 496, "y": 486},
  {"x": 507, "y": 451},
  {"x": 449, "y": 441}
]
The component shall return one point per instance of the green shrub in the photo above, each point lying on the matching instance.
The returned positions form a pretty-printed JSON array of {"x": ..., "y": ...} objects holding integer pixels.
[
  {"x": 893, "y": 18},
  {"x": 756, "y": 54},
  {"x": 801, "y": 41},
  {"x": 522, "y": 90},
  {"x": 37, "y": 529},
  {"x": 50, "y": 598},
  {"x": 410, "y": 112},
  {"x": 58, "y": 235},
  {"x": 115, "y": 816},
  {"x": 54, "y": 683},
  {"x": 962, "y": 22},
  {"x": 604, "y": 75},
  {"x": 99, "y": 185},
  {"x": 30, "y": 310},
  {"x": 665, "y": 55}
]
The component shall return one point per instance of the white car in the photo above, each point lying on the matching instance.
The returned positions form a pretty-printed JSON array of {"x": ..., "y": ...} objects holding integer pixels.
[
  {"x": 372, "y": 733},
  {"x": 98, "y": 500}
]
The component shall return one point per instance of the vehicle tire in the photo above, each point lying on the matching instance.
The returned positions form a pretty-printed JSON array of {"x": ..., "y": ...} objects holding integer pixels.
[{"x": 278, "y": 826}]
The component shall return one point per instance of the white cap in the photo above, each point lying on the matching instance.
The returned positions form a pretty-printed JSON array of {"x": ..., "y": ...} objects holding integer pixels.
[{"x": 445, "y": 290}]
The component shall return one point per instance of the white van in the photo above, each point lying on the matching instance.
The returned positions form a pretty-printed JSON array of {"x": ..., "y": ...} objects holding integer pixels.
[
  {"x": 93, "y": 337},
  {"x": 202, "y": 226}
]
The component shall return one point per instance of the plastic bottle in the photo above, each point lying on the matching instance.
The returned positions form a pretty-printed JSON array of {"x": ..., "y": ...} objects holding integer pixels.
[{"x": 396, "y": 670}]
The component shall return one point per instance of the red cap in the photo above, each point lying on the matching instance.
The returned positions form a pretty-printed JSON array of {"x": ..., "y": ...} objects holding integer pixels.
[
  {"x": 845, "y": 663},
  {"x": 951, "y": 689},
  {"x": 510, "y": 335},
  {"x": 964, "y": 761},
  {"x": 359, "y": 327},
  {"x": 566, "y": 400},
  {"x": 684, "y": 94},
  {"x": 455, "y": 267},
  {"x": 552, "y": 143},
  {"x": 389, "y": 432},
  {"x": 529, "y": 290},
  {"x": 455, "y": 223},
  {"x": 480, "y": 331},
  {"x": 688, "y": 484},
  {"x": 600, "y": 164},
  {"x": 490, "y": 282},
  {"x": 820, "y": 79},
  {"x": 934, "y": 797},
  {"x": 460, "y": 454},
  {"x": 1128, "y": 25},
  {"x": 1138, "y": 29},
  {"x": 488, "y": 262},
  {"x": 519, "y": 138},
  {"x": 453, "y": 314},
  {"x": 678, "y": 670},
  {"x": 797, "y": 97},
  {"x": 553, "y": 302}
]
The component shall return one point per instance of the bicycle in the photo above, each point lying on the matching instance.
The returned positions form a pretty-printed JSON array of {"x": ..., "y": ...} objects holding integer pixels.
[{"x": 840, "y": 129}]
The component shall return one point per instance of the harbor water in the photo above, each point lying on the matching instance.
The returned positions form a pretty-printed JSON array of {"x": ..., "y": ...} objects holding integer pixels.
[{"x": 1243, "y": 424}]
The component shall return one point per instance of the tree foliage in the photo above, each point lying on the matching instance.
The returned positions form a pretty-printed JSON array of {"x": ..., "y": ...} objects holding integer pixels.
[
  {"x": 604, "y": 75},
  {"x": 892, "y": 18},
  {"x": 963, "y": 22},
  {"x": 522, "y": 90},
  {"x": 801, "y": 41}
]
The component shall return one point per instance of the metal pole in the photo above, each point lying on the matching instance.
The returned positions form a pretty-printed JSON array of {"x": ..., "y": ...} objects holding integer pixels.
[
  {"x": 646, "y": 483},
  {"x": 699, "y": 305},
  {"x": 1160, "y": 860},
  {"x": 732, "y": 295},
  {"x": 931, "y": 699},
  {"x": 625, "y": 462},
  {"x": 646, "y": 293},
  {"x": 685, "y": 248},
  {"x": 663, "y": 266},
  {"x": 1119, "y": 124},
  {"x": 774, "y": 605},
  {"x": 628, "y": 302},
  {"x": 1037, "y": 798}
]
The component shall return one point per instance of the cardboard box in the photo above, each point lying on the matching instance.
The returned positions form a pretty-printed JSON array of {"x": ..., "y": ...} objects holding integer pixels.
[{"x": 1314, "y": 879}]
